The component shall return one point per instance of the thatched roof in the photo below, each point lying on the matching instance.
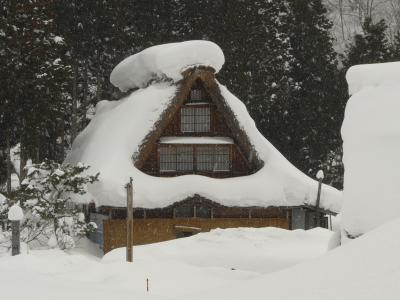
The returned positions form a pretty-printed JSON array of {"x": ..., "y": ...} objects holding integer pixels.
[{"x": 207, "y": 77}]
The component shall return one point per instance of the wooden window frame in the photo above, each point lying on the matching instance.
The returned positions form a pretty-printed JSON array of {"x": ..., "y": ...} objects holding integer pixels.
[
  {"x": 197, "y": 121},
  {"x": 194, "y": 168}
]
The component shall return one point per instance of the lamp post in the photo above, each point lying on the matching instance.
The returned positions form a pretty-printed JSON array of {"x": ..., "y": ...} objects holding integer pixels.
[
  {"x": 15, "y": 215},
  {"x": 320, "y": 177}
]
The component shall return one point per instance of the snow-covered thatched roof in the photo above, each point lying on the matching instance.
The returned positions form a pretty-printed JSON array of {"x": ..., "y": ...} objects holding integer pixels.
[{"x": 119, "y": 129}]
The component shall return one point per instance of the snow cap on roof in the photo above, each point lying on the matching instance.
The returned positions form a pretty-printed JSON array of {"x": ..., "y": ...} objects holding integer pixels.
[{"x": 165, "y": 61}]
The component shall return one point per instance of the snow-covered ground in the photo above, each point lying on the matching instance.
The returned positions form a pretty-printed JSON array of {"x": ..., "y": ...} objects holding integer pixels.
[
  {"x": 223, "y": 264},
  {"x": 366, "y": 268},
  {"x": 174, "y": 268}
]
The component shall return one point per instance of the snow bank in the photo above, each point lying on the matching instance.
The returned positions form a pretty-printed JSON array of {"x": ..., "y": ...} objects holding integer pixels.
[
  {"x": 118, "y": 128},
  {"x": 373, "y": 75},
  {"x": 260, "y": 250},
  {"x": 168, "y": 60},
  {"x": 371, "y": 145},
  {"x": 367, "y": 268}
]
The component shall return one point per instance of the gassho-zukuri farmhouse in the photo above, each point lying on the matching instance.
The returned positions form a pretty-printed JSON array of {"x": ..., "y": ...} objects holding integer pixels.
[{"x": 194, "y": 154}]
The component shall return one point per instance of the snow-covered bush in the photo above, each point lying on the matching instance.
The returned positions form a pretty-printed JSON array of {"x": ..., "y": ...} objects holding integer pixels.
[{"x": 46, "y": 197}]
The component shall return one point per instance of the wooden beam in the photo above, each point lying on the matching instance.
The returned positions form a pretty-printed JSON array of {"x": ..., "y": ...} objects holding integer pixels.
[{"x": 129, "y": 222}]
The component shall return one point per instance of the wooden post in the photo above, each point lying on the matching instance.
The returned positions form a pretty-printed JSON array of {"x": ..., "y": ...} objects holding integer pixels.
[
  {"x": 318, "y": 202},
  {"x": 15, "y": 238},
  {"x": 129, "y": 221}
]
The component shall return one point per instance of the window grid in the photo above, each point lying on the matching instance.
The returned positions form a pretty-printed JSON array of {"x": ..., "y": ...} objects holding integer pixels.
[
  {"x": 202, "y": 119},
  {"x": 195, "y": 119},
  {"x": 184, "y": 158},
  {"x": 204, "y": 159},
  {"x": 167, "y": 159},
  {"x": 222, "y": 161}
]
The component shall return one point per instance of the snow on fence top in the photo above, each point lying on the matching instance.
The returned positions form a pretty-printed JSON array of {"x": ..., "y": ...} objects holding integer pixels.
[
  {"x": 371, "y": 75},
  {"x": 165, "y": 61},
  {"x": 119, "y": 128}
]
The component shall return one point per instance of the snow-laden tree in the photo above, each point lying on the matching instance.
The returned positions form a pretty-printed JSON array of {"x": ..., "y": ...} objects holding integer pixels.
[{"x": 46, "y": 197}]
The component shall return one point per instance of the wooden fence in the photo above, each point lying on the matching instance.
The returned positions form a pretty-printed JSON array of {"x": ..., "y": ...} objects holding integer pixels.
[{"x": 146, "y": 231}]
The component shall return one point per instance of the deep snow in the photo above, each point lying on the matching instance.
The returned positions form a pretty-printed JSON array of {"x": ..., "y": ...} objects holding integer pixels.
[
  {"x": 366, "y": 269},
  {"x": 371, "y": 147},
  {"x": 200, "y": 267},
  {"x": 174, "y": 268}
]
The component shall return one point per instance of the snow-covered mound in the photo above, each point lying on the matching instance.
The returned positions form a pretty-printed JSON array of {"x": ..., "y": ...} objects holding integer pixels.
[
  {"x": 118, "y": 129},
  {"x": 261, "y": 250},
  {"x": 368, "y": 268},
  {"x": 168, "y": 60},
  {"x": 371, "y": 145}
]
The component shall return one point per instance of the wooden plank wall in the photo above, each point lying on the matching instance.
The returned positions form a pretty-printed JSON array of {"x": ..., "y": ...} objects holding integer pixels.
[{"x": 146, "y": 231}]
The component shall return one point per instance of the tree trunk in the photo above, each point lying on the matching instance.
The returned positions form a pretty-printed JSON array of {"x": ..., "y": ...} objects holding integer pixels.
[
  {"x": 74, "y": 117},
  {"x": 9, "y": 169},
  {"x": 23, "y": 159}
]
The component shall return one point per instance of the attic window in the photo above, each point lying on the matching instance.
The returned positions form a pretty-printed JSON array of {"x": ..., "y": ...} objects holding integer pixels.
[
  {"x": 195, "y": 119},
  {"x": 196, "y": 95}
]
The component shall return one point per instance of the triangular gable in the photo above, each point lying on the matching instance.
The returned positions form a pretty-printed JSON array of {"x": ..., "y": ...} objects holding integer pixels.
[{"x": 207, "y": 77}]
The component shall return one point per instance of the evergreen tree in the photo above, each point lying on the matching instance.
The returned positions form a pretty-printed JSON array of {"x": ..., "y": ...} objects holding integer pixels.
[
  {"x": 396, "y": 48},
  {"x": 369, "y": 47},
  {"x": 316, "y": 107}
]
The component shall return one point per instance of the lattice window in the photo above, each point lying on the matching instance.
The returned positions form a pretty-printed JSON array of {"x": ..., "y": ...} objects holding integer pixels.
[
  {"x": 179, "y": 158},
  {"x": 188, "y": 119},
  {"x": 184, "y": 158},
  {"x": 202, "y": 119},
  {"x": 221, "y": 159},
  {"x": 196, "y": 95},
  {"x": 195, "y": 119},
  {"x": 167, "y": 159},
  {"x": 213, "y": 158},
  {"x": 205, "y": 158}
]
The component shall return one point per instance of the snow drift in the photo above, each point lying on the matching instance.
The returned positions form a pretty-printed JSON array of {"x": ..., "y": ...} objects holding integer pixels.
[
  {"x": 119, "y": 128},
  {"x": 371, "y": 145},
  {"x": 368, "y": 268},
  {"x": 168, "y": 60}
]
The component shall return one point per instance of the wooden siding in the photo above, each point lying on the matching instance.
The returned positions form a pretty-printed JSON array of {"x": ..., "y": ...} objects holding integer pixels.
[{"x": 147, "y": 231}]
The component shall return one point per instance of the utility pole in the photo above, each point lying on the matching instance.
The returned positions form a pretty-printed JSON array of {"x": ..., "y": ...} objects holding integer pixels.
[{"x": 129, "y": 221}]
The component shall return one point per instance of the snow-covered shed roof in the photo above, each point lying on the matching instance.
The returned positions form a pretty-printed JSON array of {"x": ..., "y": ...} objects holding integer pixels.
[{"x": 119, "y": 130}]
